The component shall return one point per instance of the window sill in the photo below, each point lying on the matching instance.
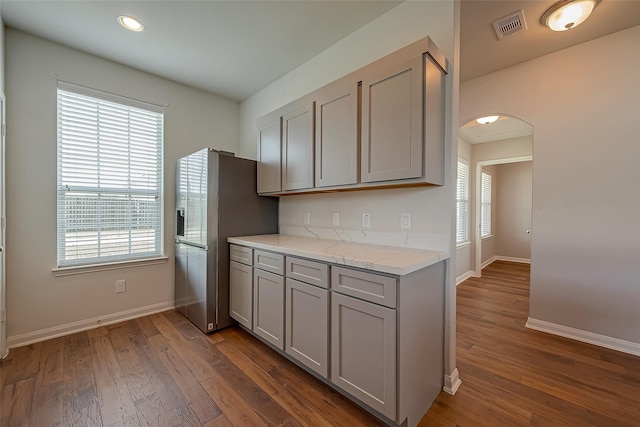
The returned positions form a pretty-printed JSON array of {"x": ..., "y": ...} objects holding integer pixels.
[
  {"x": 487, "y": 237},
  {"x": 92, "y": 268},
  {"x": 463, "y": 245}
]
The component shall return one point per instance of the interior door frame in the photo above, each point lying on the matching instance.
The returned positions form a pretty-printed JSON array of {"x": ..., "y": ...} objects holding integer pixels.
[
  {"x": 4, "y": 350},
  {"x": 478, "y": 201}
]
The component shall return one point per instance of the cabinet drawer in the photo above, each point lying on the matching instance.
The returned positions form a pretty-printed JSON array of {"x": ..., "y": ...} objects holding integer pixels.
[
  {"x": 268, "y": 261},
  {"x": 311, "y": 272},
  {"x": 241, "y": 254},
  {"x": 367, "y": 286}
]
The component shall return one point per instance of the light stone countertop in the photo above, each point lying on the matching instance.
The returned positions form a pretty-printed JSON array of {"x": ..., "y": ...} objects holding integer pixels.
[{"x": 385, "y": 259}]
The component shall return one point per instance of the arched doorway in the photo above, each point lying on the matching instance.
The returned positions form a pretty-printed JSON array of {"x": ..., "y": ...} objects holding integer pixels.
[{"x": 498, "y": 208}]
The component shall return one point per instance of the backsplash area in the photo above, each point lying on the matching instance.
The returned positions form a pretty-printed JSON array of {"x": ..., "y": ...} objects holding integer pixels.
[{"x": 312, "y": 216}]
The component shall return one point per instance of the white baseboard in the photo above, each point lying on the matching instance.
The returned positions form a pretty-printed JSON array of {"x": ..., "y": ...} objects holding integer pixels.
[
  {"x": 505, "y": 258},
  {"x": 452, "y": 382},
  {"x": 465, "y": 276},
  {"x": 84, "y": 325},
  {"x": 584, "y": 336}
]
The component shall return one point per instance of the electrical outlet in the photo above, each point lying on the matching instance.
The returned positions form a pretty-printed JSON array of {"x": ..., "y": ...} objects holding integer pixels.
[
  {"x": 335, "y": 218},
  {"x": 405, "y": 221},
  {"x": 366, "y": 220},
  {"x": 121, "y": 286},
  {"x": 307, "y": 218}
]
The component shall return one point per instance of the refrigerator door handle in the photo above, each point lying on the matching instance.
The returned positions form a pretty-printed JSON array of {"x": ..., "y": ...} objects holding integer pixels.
[
  {"x": 180, "y": 222},
  {"x": 195, "y": 245}
]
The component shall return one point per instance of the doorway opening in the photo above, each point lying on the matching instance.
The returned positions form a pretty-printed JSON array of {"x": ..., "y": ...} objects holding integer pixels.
[{"x": 498, "y": 222}]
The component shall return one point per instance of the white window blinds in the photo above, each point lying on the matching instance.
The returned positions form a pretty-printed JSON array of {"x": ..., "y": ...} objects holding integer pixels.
[
  {"x": 485, "y": 213},
  {"x": 109, "y": 178},
  {"x": 462, "y": 202}
]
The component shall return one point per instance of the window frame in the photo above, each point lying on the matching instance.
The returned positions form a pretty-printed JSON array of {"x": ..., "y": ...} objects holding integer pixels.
[
  {"x": 486, "y": 216},
  {"x": 154, "y": 189},
  {"x": 462, "y": 199}
]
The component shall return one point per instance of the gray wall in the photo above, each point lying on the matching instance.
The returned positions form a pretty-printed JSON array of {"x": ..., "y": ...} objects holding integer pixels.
[
  {"x": 39, "y": 304},
  {"x": 583, "y": 104}
]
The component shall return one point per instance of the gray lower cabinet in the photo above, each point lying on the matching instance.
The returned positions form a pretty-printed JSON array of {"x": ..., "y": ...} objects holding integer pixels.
[
  {"x": 306, "y": 324},
  {"x": 268, "y": 307},
  {"x": 377, "y": 337},
  {"x": 363, "y": 352},
  {"x": 241, "y": 293}
]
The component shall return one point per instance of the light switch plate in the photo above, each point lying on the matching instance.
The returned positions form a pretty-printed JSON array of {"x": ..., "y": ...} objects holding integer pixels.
[
  {"x": 366, "y": 220},
  {"x": 405, "y": 220},
  {"x": 335, "y": 218},
  {"x": 307, "y": 218}
]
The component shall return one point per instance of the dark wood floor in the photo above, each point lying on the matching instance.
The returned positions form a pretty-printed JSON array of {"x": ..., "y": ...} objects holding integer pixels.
[
  {"x": 514, "y": 376},
  {"x": 159, "y": 370}
]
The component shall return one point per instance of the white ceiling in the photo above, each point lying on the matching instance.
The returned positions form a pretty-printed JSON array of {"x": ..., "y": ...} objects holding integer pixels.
[
  {"x": 235, "y": 48},
  {"x": 504, "y": 128},
  {"x": 481, "y": 52},
  {"x": 230, "y": 48}
]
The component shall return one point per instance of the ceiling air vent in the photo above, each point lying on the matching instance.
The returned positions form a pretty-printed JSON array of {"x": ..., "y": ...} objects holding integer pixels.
[{"x": 510, "y": 24}]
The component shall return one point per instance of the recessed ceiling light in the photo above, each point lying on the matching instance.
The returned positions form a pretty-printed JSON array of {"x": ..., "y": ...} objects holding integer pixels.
[
  {"x": 487, "y": 120},
  {"x": 568, "y": 14},
  {"x": 130, "y": 23}
]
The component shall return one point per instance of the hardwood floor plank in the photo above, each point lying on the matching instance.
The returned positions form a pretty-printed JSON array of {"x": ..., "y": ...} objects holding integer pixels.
[
  {"x": 275, "y": 389},
  {"x": 80, "y": 398},
  {"x": 47, "y": 407},
  {"x": 21, "y": 402},
  {"x": 50, "y": 370},
  {"x": 150, "y": 411},
  {"x": 134, "y": 374},
  {"x": 199, "y": 401},
  {"x": 308, "y": 391},
  {"x": 24, "y": 364},
  {"x": 116, "y": 404},
  {"x": 212, "y": 364},
  {"x": 163, "y": 384},
  {"x": 6, "y": 403}
]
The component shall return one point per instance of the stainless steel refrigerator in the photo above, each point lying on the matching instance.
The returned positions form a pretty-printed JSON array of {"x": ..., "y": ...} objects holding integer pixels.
[{"x": 216, "y": 198}]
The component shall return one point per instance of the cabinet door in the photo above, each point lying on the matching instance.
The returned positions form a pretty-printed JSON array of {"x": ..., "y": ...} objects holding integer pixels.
[
  {"x": 269, "y": 160},
  {"x": 307, "y": 327},
  {"x": 241, "y": 293},
  {"x": 337, "y": 134},
  {"x": 268, "y": 307},
  {"x": 392, "y": 121},
  {"x": 297, "y": 148},
  {"x": 363, "y": 352}
]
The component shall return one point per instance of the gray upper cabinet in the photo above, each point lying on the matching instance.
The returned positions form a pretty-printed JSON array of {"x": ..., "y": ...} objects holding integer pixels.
[
  {"x": 269, "y": 157},
  {"x": 392, "y": 121},
  {"x": 297, "y": 148},
  {"x": 379, "y": 126},
  {"x": 337, "y": 134}
]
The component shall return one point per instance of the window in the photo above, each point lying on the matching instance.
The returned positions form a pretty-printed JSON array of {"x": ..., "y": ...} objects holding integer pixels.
[
  {"x": 485, "y": 213},
  {"x": 462, "y": 202},
  {"x": 109, "y": 178}
]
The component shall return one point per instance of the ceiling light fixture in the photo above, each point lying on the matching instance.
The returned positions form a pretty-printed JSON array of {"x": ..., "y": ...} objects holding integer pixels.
[
  {"x": 568, "y": 14},
  {"x": 487, "y": 120},
  {"x": 130, "y": 23}
]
